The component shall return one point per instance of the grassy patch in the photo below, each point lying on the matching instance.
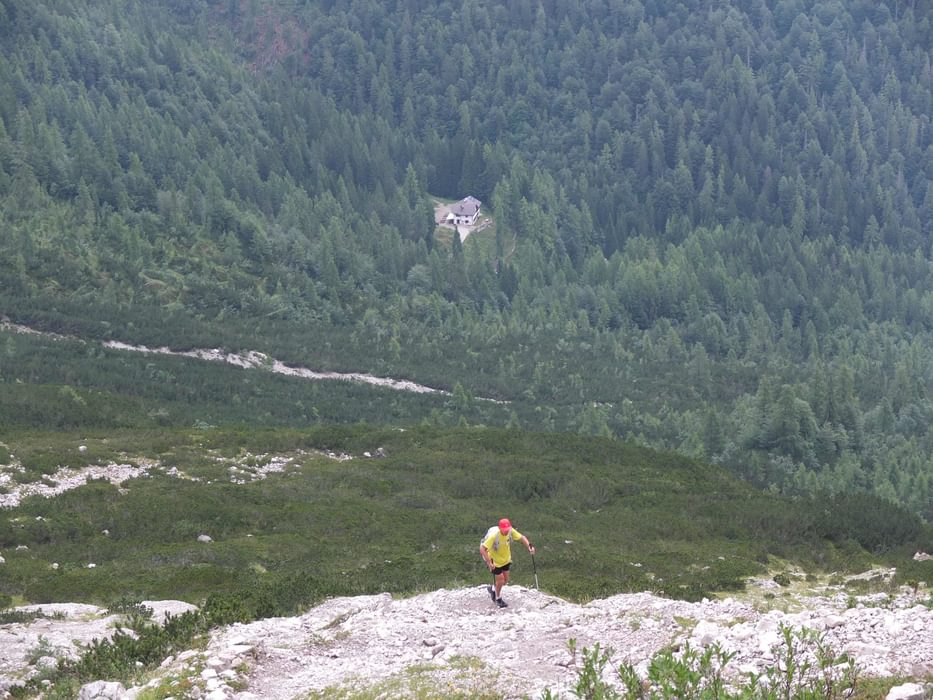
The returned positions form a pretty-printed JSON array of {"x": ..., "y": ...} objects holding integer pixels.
[{"x": 461, "y": 679}]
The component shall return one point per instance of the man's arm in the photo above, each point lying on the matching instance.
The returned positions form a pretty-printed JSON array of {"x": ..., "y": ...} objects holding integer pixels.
[
  {"x": 525, "y": 542},
  {"x": 484, "y": 553}
]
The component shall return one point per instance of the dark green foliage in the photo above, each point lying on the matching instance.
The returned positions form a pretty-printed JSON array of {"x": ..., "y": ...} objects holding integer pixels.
[
  {"x": 284, "y": 595},
  {"x": 710, "y": 233},
  {"x": 875, "y": 524}
]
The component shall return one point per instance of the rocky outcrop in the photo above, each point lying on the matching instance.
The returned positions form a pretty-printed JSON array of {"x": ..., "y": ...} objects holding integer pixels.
[
  {"x": 59, "y": 631},
  {"x": 102, "y": 690},
  {"x": 459, "y": 638},
  {"x": 526, "y": 645}
]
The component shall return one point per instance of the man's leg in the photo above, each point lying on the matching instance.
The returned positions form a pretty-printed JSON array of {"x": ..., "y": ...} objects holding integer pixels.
[
  {"x": 501, "y": 580},
  {"x": 505, "y": 579}
]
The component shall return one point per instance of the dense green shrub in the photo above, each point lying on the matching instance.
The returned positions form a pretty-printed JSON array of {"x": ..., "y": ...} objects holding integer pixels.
[
  {"x": 692, "y": 674},
  {"x": 874, "y": 523},
  {"x": 683, "y": 522}
]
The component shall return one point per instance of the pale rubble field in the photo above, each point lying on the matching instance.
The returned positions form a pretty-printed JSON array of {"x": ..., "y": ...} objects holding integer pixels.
[
  {"x": 246, "y": 360},
  {"x": 240, "y": 470},
  {"x": 253, "y": 360},
  {"x": 457, "y": 639}
]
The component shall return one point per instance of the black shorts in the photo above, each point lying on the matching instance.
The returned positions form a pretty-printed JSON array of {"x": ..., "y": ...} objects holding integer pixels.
[{"x": 499, "y": 569}]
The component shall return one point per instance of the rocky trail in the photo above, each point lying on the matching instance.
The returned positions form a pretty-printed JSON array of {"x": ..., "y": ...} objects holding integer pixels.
[{"x": 457, "y": 640}]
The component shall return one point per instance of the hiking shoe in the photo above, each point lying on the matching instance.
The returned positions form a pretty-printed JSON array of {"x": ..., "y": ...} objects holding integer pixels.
[
  {"x": 492, "y": 593},
  {"x": 501, "y": 603}
]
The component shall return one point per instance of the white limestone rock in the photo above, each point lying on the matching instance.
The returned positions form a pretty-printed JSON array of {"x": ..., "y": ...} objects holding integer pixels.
[
  {"x": 102, "y": 690},
  {"x": 908, "y": 691}
]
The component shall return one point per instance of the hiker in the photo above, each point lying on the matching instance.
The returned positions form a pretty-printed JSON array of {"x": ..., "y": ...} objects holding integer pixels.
[{"x": 497, "y": 553}]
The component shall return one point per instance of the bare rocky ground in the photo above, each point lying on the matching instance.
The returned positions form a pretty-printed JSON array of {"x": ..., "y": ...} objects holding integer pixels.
[{"x": 458, "y": 640}]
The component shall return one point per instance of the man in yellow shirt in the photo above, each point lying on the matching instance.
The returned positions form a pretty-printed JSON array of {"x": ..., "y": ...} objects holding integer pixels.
[{"x": 497, "y": 553}]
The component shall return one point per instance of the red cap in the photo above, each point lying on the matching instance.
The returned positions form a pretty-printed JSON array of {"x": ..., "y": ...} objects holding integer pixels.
[{"x": 505, "y": 525}]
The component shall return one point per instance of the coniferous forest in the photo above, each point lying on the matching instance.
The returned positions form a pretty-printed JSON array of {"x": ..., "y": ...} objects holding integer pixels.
[{"x": 711, "y": 222}]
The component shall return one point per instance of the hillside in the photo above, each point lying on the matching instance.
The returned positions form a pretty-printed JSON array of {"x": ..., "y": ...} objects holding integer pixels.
[
  {"x": 242, "y": 367},
  {"x": 710, "y": 220},
  {"x": 399, "y": 510},
  {"x": 254, "y": 525}
]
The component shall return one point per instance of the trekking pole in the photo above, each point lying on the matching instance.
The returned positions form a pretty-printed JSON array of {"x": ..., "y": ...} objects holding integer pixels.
[{"x": 535, "y": 567}]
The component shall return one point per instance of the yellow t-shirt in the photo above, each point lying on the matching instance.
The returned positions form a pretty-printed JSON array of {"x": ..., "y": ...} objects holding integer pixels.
[{"x": 499, "y": 545}]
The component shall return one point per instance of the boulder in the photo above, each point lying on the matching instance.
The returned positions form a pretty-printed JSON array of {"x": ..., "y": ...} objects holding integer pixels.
[
  {"x": 102, "y": 690},
  {"x": 908, "y": 691}
]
